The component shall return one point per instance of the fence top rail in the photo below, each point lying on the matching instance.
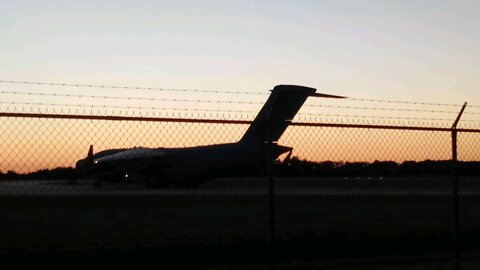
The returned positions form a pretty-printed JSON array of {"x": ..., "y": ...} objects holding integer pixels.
[
  {"x": 222, "y": 121},
  {"x": 366, "y": 126}
]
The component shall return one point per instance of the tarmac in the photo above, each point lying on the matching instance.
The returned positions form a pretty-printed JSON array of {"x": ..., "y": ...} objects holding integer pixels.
[{"x": 333, "y": 223}]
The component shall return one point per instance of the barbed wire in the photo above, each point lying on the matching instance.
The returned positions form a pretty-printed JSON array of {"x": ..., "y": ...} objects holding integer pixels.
[
  {"x": 133, "y": 87},
  {"x": 218, "y": 101},
  {"x": 389, "y": 122},
  {"x": 122, "y": 107},
  {"x": 187, "y": 110},
  {"x": 90, "y": 112},
  {"x": 409, "y": 102},
  {"x": 218, "y": 92},
  {"x": 383, "y": 109},
  {"x": 386, "y": 117},
  {"x": 129, "y": 98}
]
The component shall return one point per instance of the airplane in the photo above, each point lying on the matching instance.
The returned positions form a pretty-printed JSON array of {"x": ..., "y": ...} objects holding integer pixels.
[{"x": 192, "y": 166}]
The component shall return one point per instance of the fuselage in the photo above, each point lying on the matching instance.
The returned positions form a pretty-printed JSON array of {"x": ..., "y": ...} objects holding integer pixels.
[{"x": 173, "y": 165}]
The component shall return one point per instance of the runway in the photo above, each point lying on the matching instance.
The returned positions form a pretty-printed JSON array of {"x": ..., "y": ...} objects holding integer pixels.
[
  {"x": 229, "y": 219},
  {"x": 249, "y": 187}
]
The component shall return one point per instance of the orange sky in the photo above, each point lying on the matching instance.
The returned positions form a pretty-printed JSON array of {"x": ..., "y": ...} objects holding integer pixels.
[
  {"x": 32, "y": 144},
  {"x": 415, "y": 51}
]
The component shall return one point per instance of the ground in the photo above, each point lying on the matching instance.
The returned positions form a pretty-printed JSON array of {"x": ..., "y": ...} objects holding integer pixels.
[{"x": 319, "y": 223}]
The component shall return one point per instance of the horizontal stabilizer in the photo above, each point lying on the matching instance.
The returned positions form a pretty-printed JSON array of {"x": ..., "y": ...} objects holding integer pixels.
[{"x": 325, "y": 95}]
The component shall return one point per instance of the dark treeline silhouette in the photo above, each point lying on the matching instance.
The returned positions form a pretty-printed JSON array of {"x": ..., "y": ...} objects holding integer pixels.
[
  {"x": 297, "y": 167},
  {"x": 303, "y": 168},
  {"x": 57, "y": 173}
]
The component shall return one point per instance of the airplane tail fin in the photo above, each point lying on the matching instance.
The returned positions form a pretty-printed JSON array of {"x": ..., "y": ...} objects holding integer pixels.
[{"x": 280, "y": 108}]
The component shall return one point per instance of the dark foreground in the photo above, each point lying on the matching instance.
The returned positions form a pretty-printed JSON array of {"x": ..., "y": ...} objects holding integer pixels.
[{"x": 359, "y": 227}]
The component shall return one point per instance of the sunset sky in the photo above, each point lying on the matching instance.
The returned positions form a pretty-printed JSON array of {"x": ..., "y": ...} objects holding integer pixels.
[{"x": 425, "y": 51}]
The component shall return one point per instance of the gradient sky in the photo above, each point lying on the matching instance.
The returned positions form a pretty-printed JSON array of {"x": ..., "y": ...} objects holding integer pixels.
[
  {"x": 424, "y": 51},
  {"x": 407, "y": 50}
]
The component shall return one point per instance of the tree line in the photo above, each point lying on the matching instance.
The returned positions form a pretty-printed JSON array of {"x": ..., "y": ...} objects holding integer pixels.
[{"x": 303, "y": 168}]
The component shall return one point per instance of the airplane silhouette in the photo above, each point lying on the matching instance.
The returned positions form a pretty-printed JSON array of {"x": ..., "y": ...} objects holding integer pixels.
[{"x": 191, "y": 166}]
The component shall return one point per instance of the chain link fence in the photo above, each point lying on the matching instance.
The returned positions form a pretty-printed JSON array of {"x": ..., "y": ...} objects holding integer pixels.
[
  {"x": 33, "y": 142},
  {"x": 345, "y": 187}
]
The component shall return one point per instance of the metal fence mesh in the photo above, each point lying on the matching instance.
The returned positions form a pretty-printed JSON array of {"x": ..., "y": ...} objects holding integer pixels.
[
  {"x": 31, "y": 144},
  {"x": 367, "y": 145},
  {"x": 314, "y": 204}
]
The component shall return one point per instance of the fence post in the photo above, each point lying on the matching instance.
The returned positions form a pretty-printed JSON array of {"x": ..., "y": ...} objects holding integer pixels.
[
  {"x": 456, "y": 209},
  {"x": 271, "y": 192},
  {"x": 271, "y": 188}
]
